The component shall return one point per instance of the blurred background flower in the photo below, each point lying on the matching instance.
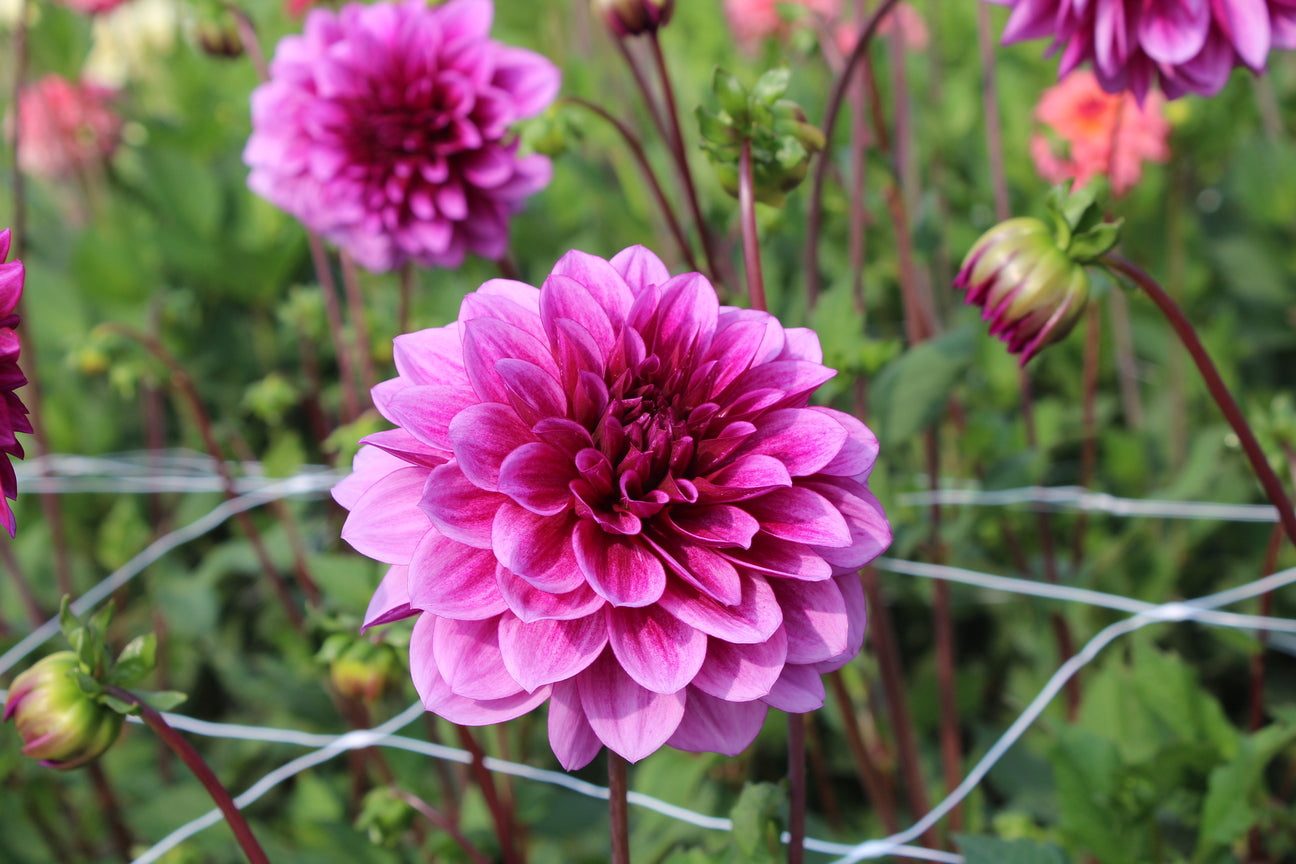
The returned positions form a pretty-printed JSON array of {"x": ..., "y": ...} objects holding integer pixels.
[
  {"x": 66, "y": 128},
  {"x": 755, "y": 20}
]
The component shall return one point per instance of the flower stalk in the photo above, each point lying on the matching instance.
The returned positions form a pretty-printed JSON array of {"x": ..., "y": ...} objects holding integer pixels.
[
  {"x": 750, "y": 236},
  {"x": 618, "y": 809},
  {"x": 796, "y": 788}
]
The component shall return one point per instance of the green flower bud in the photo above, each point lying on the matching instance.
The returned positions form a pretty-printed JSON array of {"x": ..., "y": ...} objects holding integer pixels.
[
  {"x": 633, "y": 17},
  {"x": 60, "y": 724},
  {"x": 360, "y": 669}
]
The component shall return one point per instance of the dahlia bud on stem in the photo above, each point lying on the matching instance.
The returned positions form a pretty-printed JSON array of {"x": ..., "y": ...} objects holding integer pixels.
[{"x": 633, "y": 17}]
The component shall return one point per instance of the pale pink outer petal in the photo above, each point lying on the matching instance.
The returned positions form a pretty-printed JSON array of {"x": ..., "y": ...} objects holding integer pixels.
[
  {"x": 386, "y": 523},
  {"x": 857, "y": 614},
  {"x": 468, "y": 655},
  {"x": 483, "y": 436},
  {"x": 712, "y": 725},
  {"x": 804, "y": 441},
  {"x": 570, "y": 734},
  {"x": 390, "y": 601},
  {"x": 531, "y": 604},
  {"x": 815, "y": 617},
  {"x": 453, "y": 579},
  {"x": 858, "y": 453},
  {"x": 798, "y": 690},
  {"x": 640, "y": 268},
  {"x": 369, "y": 466},
  {"x": 629, "y": 719},
  {"x": 460, "y": 510},
  {"x": 549, "y": 651},
  {"x": 753, "y": 620},
  {"x": 656, "y": 649},
  {"x": 740, "y": 673},
  {"x": 438, "y": 698}
]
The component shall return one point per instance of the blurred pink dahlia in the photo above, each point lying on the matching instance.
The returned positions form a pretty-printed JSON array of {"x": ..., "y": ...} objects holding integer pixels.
[
  {"x": 1188, "y": 45},
  {"x": 13, "y": 414},
  {"x": 65, "y": 128},
  {"x": 386, "y": 128},
  {"x": 611, "y": 493}
]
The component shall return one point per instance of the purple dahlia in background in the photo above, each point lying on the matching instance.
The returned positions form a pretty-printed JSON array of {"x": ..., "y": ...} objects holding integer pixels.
[
  {"x": 13, "y": 414},
  {"x": 386, "y": 128},
  {"x": 611, "y": 493},
  {"x": 1188, "y": 46}
]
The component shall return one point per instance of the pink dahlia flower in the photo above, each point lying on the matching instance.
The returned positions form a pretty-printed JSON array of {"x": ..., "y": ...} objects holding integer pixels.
[
  {"x": 755, "y": 20},
  {"x": 611, "y": 493},
  {"x": 1101, "y": 133},
  {"x": 1187, "y": 45},
  {"x": 65, "y": 128},
  {"x": 13, "y": 414},
  {"x": 386, "y": 128},
  {"x": 91, "y": 7}
]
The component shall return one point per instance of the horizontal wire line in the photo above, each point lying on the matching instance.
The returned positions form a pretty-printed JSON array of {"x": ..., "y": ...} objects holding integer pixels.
[{"x": 1079, "y": 498}]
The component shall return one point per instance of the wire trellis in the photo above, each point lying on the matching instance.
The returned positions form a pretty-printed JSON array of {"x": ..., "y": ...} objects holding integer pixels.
[{"x": 185, "y": 471}]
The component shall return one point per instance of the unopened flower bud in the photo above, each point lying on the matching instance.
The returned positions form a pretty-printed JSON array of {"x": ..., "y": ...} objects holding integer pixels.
[
  {"x": 60, "y": 724},
  {"x": 363, "y": 670},
  {"x": 633, "y": 17},
  {"x": 1029, "y": 289}
]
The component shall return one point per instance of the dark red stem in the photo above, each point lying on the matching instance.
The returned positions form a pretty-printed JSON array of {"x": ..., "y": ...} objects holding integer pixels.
[
  {"x": 618, "y": 809},
  {"x": 796, "y": 789}
]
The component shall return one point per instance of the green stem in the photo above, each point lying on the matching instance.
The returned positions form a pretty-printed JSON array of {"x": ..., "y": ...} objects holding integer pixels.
[{"x": 750, "y": 236}]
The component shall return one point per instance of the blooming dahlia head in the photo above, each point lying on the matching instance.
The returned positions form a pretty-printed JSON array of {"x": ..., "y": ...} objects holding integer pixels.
[
  {"x": 610, "y": 493},
  {"x": 13, "y": 414},
  {"x": 386, "y": 128},
  {"x": 1188, "y": 45}
]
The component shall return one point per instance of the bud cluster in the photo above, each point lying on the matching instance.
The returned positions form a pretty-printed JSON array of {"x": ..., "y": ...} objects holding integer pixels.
[
  {"x": 781, "y": 140},
  {"x": 361, "y": 667}
]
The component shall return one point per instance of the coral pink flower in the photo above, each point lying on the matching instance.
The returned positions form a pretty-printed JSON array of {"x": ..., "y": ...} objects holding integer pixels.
[
  {"x": 386, "y": 128},
  {"x": 1186, "y": 45},
  {"x": 610, "y": 493},
  {"x": 903, "y": 19},
  {"x": 755, "y": 20},
  {"x": 13, "y": 414},
  {"x": 91, "y": 7},
  {"x": 65, "y": 128},
  {"x": 1102, "y": 133}
]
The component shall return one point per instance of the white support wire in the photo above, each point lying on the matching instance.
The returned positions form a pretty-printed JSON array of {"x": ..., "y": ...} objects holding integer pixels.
[
  {"x": 1080, "y": 498},
  {"x": 144, "y": 472}
]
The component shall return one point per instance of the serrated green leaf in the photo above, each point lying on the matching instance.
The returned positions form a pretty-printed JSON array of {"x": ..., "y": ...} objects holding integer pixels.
[
  {"x": 1229, "y": 810},
  {"x": 992, "y": 850}
]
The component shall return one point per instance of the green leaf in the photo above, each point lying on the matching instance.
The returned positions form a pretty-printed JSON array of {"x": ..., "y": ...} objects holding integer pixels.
[
  {"x": 756, "y": 827},
  {"x": 1096, "y": 242},
  {"x": 770, "y": 86},
  {"x": 121, "y": 706},
  {"x": 163, "y": 700},
  {"x": 992, "y": 850},
  {"x": 1229, "y": 810},
  {"x": 68, "y": 622},
  {"x": 910, "y": 393},
  {"x": 732, "y": 96},
  {"x": 135, "y": 661}
]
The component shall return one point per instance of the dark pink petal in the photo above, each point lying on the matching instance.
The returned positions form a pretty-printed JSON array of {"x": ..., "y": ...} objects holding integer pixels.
[
  {"x": 390, "y": 601},
  {"x": 531, "y": 604},
  {"x": 1250, "y": 29},
  {"x": 629, "y": 719},
  {"x": 712, "y": 725},
  {"x": 489, "y": 340},
  {"x": 703, "y": 568},
  {"x": 449, "y": 578},
  {"x": 577, "y": 353},
  {"x": 686, "y": 317},
  {"x": 799, "y": 690},
  {"x": 538, "y": 548},
  {"x": 794, "y": 378},
  {"x": 800, "y": 515},
  {"x": 655, "y": 648},
  {"x": 857, "y": 454},
  {"x": 870, "y": 532},
  {"x": 782, "y": 558},
  {"x": 537, "y": 477},
  {"x": 548, "y": 651},
  {"x": 1173, "y": 31},
  {"x": 407, "y": 448},
  {"x": 564, "y": 297},
  {"x": 744, "y": 338},
  {"x": 619, "y": 568},
  {"x": 566, "y": 435},
  {"x": 439, "y": 699},
  {"x": 460, "y": 510},
  {"x": 483, "y": 436},
  {"x": 533, "y": 392},
  {"x": 570, "y": 734},
  {"x": 386, "y": 522},
  {"x": 816, "y": 619},
  {"x": 468, "y": 655},
  {"x": 528, "y": 77},
  {"x": 803, "y": 440},
  {"x": 857, "y": 613},
  {"x": 715, "y": 525},
  {"x": 640, "y": 268},
  {"x": 603, "y": 282},
  {"x": 427, "y": 412},
  {"x": 740, "y": 673},
  {"x": 801, "y": 343},
  {"x": 752, "y": 620},
  {"x": 746, "y": 477}
]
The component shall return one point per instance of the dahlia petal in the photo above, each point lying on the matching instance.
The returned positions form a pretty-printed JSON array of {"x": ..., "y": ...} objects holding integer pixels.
[
  {"x": 549, "y": 651},
  {"x": 432, "y": 356},
  {"x": 426, "y": 412},
  {"x": 528, "y": 77},
  {"x": 715, "y": 525},
  {"x": 386, "y": 523},
  {"x": 452, "y": 579},
  {"x": 801, "y": 343},
  {"x": 630, "y": 720},
  {"x": 468, "y": 655},
  {"x": 524, "y": 295},
  {"x": 531, "y": 604},
  {"x": 753, "y": 619},
  {"x": 463, "y": 20},
  {"x": 870, "y": 533},
  {"x": 12, "y": 275},
  {"x": 704, "y": 569},
  {"x": 440, "y": 699},
  {"x": 744, "y": 338},
  {"x": 533, "y": 392},
  {"x": 618, "y": 568},
  {"x": 536, "y": 476},
  {"x": 639, "y": 267},
  {"x": 537, "y": 548},
  {"x": 858, "y": 452},
  {"x": 390, "y": 601},
  {"x": 800, "y": 515},
  {"x": 1030, "y": 19},
  {"x": 655, "y": 648},
  {"x": 488, "y": 340},
  {"x": 745, "y": 477},
  {"x": 6, "y": 237},
  {"x": 793, "y": 378},
  {"x": 712, "y": 725},
  {"x": 1173, "y": 31},
  {"x": 601, "y": 280},
  {"x": 368, "y": 467},
  {"x": 406, "y": 447},
  {"x": 482, "y": 436},
  {"x": 685, "y": 317},
  {"x": 857, "y": 614},
  {"x": 460, "y": 510},
  {"x": 799, "y": 690},
  {"x": 505, "y": 302},
  {"x": 815, "y": 617},
  {"x": 803, "y": 440},
  {"x": 740, "y": 673},
  {"x": 792, "y": 560},
  {"x": 570, "y": 734},
  {"x": 564, "y": 297}
]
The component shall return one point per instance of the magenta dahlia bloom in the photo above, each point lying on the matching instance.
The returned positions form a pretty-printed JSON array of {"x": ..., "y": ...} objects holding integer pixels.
[
  {"x": 386, "y": 128},
  {"x": 611, "y": 493},
  {"x": 1185, "y": 45},
  {"x": 13, "y": 414}
]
